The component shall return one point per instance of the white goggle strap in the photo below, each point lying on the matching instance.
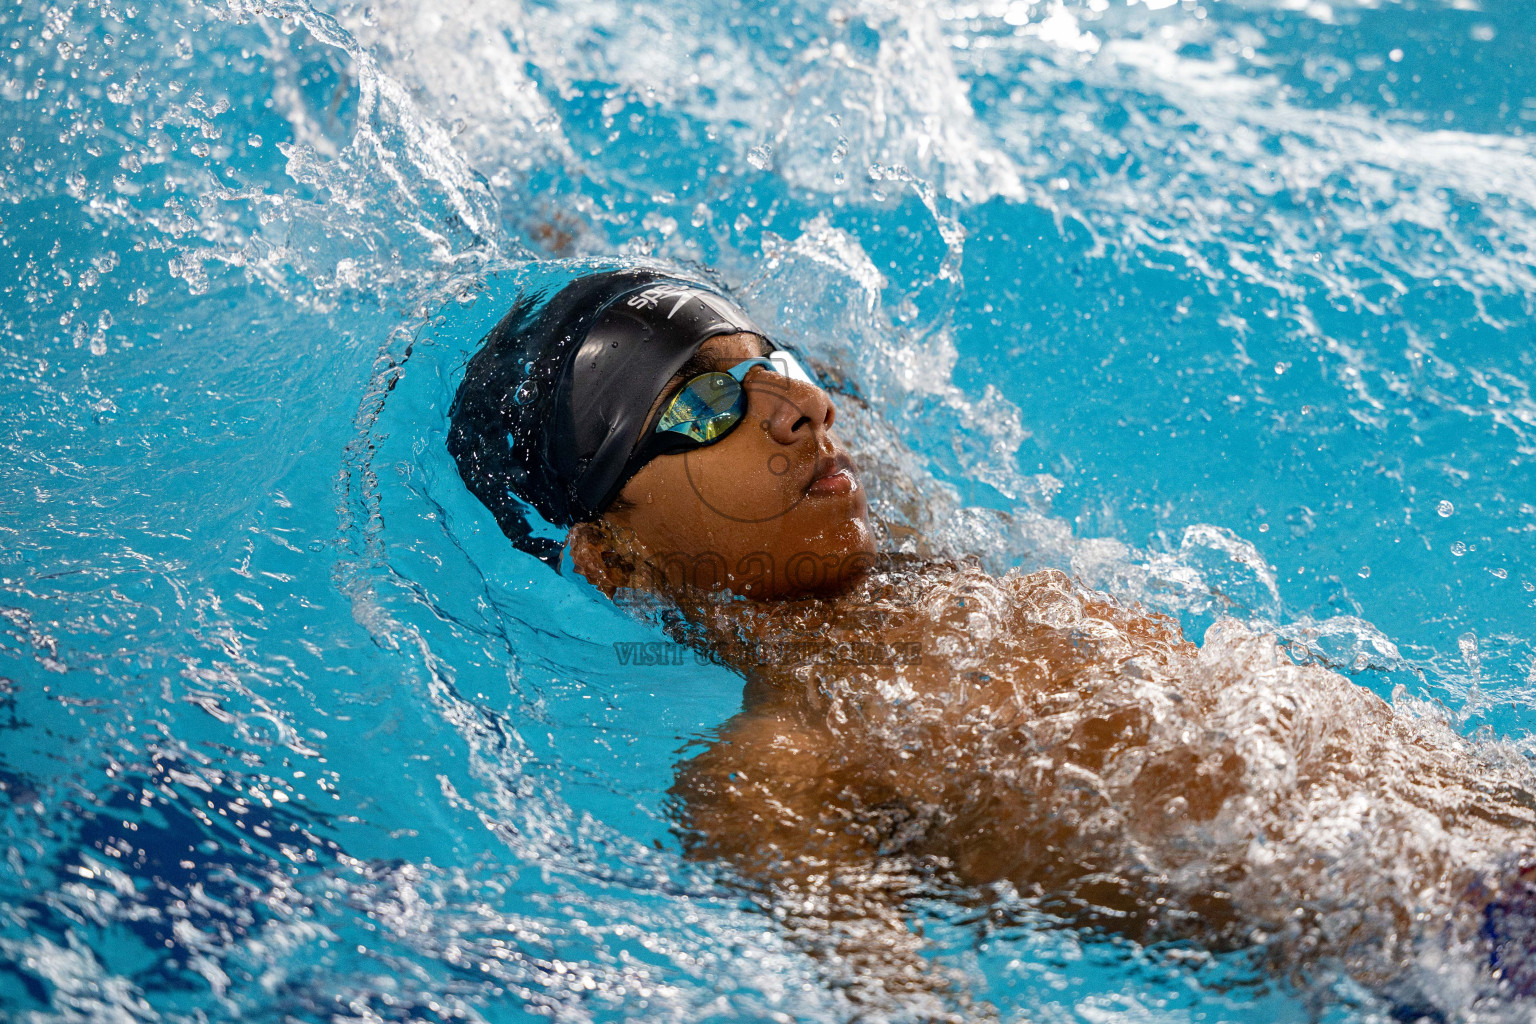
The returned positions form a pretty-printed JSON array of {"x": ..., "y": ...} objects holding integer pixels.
[{"x": 785, "y": 364}]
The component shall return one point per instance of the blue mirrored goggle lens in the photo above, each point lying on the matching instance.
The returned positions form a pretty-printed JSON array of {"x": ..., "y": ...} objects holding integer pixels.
[
  {"x": 711, "y": 404},
  {"x": 706, "y": 407}
]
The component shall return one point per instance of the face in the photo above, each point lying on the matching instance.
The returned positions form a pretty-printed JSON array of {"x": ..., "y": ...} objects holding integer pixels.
[{"x": 774, "y": 509}]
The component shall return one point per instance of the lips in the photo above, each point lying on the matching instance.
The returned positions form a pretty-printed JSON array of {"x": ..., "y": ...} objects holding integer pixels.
[{"x": 834, "y": 474}]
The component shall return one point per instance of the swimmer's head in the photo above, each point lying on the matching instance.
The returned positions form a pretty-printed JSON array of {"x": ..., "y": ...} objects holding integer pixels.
[{"x": 589, "y": 407}]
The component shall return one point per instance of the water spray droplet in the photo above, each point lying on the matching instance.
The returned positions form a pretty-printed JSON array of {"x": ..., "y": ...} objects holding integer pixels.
[
  {"x": 1446, "y": 509},
  {"x": 526, "y": 392},
  {"x": 1467, "y": 643},
  {"x": 1365, "y": 572},
  {"x": 1458, "y": 549}
]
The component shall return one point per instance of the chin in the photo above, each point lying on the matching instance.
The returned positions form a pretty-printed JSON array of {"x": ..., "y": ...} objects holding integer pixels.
[{"x": 830, "y": 559}]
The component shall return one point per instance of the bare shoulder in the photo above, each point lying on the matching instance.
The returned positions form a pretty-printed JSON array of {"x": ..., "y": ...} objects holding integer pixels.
[{"x": 758, "y": 795}]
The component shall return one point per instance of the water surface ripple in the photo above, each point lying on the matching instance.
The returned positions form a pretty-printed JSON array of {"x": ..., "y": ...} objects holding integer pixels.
[{"x": 1224, "y": 306}]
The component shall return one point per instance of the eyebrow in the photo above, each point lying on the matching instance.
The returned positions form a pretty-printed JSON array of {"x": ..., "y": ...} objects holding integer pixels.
[{"x": 702, "y": 361}]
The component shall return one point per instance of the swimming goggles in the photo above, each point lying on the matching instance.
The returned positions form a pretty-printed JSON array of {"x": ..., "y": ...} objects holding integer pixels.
[{"x": 710, "y": 405}]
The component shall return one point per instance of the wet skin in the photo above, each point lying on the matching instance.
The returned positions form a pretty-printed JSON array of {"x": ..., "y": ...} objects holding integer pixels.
[
  {"x": 775, "y": 512},
  {"x": 774, "y": 509},
  {"x": 1037, "y": 765}
]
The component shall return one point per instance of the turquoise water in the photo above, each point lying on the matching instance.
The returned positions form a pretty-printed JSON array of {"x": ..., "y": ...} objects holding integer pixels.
[{"x": 1225, "y": 306}]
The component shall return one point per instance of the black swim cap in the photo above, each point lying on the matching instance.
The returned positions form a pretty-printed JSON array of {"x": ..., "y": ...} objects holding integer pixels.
[{"x": 553, "y": 406}]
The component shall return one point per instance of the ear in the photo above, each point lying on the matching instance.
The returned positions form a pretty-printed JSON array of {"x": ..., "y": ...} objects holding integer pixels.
[{"x": 593, "y": 555}]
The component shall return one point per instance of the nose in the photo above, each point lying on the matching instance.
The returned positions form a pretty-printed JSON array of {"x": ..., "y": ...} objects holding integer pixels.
[{"x": 795, "y": 410}]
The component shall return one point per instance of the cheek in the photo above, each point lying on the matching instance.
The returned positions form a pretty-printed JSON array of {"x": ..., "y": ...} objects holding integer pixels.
[
  {"x": 749, "y": 484},
  {"x": 743, "y": 495},
  {"x": 669, "y": 516}
]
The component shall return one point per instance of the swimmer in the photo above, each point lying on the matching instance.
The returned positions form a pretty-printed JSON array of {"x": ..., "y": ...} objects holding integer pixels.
[{"x": 916, "y": 726}]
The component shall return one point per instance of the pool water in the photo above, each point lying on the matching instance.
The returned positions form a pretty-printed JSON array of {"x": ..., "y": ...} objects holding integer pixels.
[{"x": 1226, "y": 307}]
